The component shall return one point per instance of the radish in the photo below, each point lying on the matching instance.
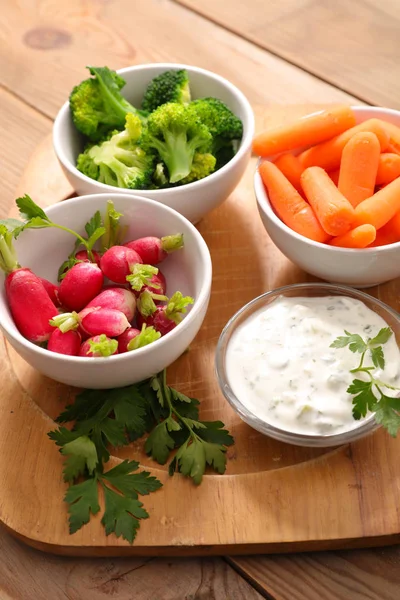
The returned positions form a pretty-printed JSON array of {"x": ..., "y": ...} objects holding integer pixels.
[
  {"x": 118, "y": 262},
  {"x": 162, "y": 318},
  {"x": 29, "y": 302},
  {"x": 153, "y": 250},
  {"x": 80, "y": 285},
  {"x": 64, "y": 343},
  {"x": 132, "y": 338},
  {"x": 99, "y": 345},
  {"x": 109, "y": 321},
  {"x": 93, "y": 321},
  {"x": 157, "y": 285},
  {"x": 118, "y": 298},
  {"x": 84, "y": 257},
  {"x": 52, "y": 291}
]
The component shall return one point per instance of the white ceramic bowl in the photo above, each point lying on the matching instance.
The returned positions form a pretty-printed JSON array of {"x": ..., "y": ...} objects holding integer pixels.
[
  {"x": 189, "y": 270},
  {"x": 357, "y": 268},
  {"x": 193, "y": 200}
]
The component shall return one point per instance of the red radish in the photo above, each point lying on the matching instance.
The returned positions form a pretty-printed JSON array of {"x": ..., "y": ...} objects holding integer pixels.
[
  {"x": 153, "y": 250},
  {"x": 125, "y": 338},
  {"x": 141, "y": 276},
  {"x": 98, "y": 345},
  {"x": 118, "y": 262},
  {"x": 84, "y": 257},
  {"x": 80, "y": 285},
  {"x": 29, "y": 302},
  {"x": 162, "y": 318},
  {"x": 52, "y": 291},
  {"x": 65, "y": 343},
  {"x": 109, "y": 321},
  {"x": 30, "y": 305},
  {"x": 132, "y": 338},
  {"x": 118, "y": 298},
  {"x": 93, "y": 321},
  {"x": 157, "y": 285}
]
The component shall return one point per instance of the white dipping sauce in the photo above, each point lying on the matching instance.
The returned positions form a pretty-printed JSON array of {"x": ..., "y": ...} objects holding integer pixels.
[{"x": 281, "y": 368}]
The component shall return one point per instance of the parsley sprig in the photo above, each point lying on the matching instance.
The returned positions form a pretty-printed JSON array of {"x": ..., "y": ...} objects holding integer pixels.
[
  {"x": 111, "y": 418},
  {"x": 369, "y": 395}
]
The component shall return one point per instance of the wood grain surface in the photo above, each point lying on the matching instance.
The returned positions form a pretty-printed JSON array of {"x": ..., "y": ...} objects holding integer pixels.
[
  {"x": 299, "y": 498},
  {"x": 44, "y": 47},
  {"x": 353, "y": 46}
]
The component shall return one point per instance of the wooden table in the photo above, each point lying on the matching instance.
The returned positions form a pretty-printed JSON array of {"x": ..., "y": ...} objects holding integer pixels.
[{"x": 282, "y": 51}]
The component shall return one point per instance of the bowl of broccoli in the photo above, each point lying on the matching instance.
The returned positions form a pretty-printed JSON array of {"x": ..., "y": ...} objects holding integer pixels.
[{"x": 177, "y": 134}]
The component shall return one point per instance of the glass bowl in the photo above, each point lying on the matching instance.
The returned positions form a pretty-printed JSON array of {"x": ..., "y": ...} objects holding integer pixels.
[{"x": 366, "y": 426}]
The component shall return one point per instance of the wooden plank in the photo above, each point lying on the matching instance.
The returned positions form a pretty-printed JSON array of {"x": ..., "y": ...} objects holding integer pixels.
[
  {"x": 41, "y": 64},
  {"x": 350, "y": 45},
  {"x": 21, "y": 129},
  {"x": 349, "y": 575},
  {"x": 263, "y": 476},
  {"x": 31, "y": 575}
]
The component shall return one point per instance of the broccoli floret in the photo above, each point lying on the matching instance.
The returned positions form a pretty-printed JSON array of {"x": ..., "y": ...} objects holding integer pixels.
[
  {"x": 97, "y": 105},
  {"x": 220, "y": 120},
  {"x": 203, "y": 165},
  {"x": 225, "y": 153},
  {"x": 176, "y": 133},
  {"x": 171, "y": 86},
  {"x": 120, "y": 161}
]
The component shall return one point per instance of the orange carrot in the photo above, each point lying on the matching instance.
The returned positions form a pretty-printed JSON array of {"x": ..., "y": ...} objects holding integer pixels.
[
  {"x": 289, "y": 205},
  {"x": 389, "y": 233},
  {"x": 334, "y": 175},
  {"x": 329, "y": 154},
  {"x": 360, "y": 237},
  {"x": 392, "y": 149},
  {"x": 388, "y": 168},
  {"x": 309, "y": 130},
  {"x": 394, "y": 135},
  {"x": 359, "y": 166},
  {"x": 381, "y": 207},
  {"x": 291, "y": 167},
  {"x": 333, "y": 210}
]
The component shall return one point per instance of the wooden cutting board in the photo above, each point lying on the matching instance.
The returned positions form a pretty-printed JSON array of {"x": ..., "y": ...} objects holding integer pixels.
[{"x": 273, "y": 497}]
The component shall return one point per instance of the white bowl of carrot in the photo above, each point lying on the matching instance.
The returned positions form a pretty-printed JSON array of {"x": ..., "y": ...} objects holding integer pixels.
[{"x": 328, "y": 193}]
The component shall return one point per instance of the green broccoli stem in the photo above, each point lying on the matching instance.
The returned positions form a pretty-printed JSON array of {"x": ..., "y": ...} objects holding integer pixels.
[
  {"x": 178, "y": 156},
  {"x": 8, "y": 256}
]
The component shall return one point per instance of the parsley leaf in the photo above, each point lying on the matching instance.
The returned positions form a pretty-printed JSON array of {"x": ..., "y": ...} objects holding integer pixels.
[
  {"x": 352, "y": 340},
  {"x": 378, "y": 358},
  {"x": 130, "y": 411},
  {"x": 382, "y": 337},
  {"x": 363, "y": 399},
  {"x": 83, "y": 500},
  {"x": 388, "y": 416},
  {"x": 159, "y": 443},
  {"x": 122, "y": 479},
  {"x": 122, "y": 514},
  {"x": 191, "y": 459},
  {"x": 81, "y": 454}
]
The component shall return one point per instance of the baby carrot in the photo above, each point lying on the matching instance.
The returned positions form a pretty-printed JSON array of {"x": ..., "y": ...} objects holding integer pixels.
[
  {"x": 333, "y": 210},
  {"x": 381, "y": 207},
  {"x": 359, "y": 166},
  {"x": 334, "y": 175},
  {"x": 291, "y": 167},
  {"x": 389, "y": 233},
  {"x": 394, "y": 135},
  {"x": 328, "y": 154},
  {"x": 388, "y": 168},
  {"x": 309, "y": 130},
  {"x": 359, "y": 237},
  {"x": 290, "y": 207}
]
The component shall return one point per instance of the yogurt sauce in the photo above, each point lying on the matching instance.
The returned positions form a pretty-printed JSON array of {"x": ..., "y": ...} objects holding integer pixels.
[{"x": 281, "y": 368}]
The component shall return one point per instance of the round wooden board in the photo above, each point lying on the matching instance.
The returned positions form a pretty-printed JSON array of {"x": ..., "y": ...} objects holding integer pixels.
[{"x": 274, "y": 497}]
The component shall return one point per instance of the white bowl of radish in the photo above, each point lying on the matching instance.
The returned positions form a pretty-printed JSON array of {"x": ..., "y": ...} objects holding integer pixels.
[
  {"x": 360, "y": 267},
  {"x": 97, "y": 339}
]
